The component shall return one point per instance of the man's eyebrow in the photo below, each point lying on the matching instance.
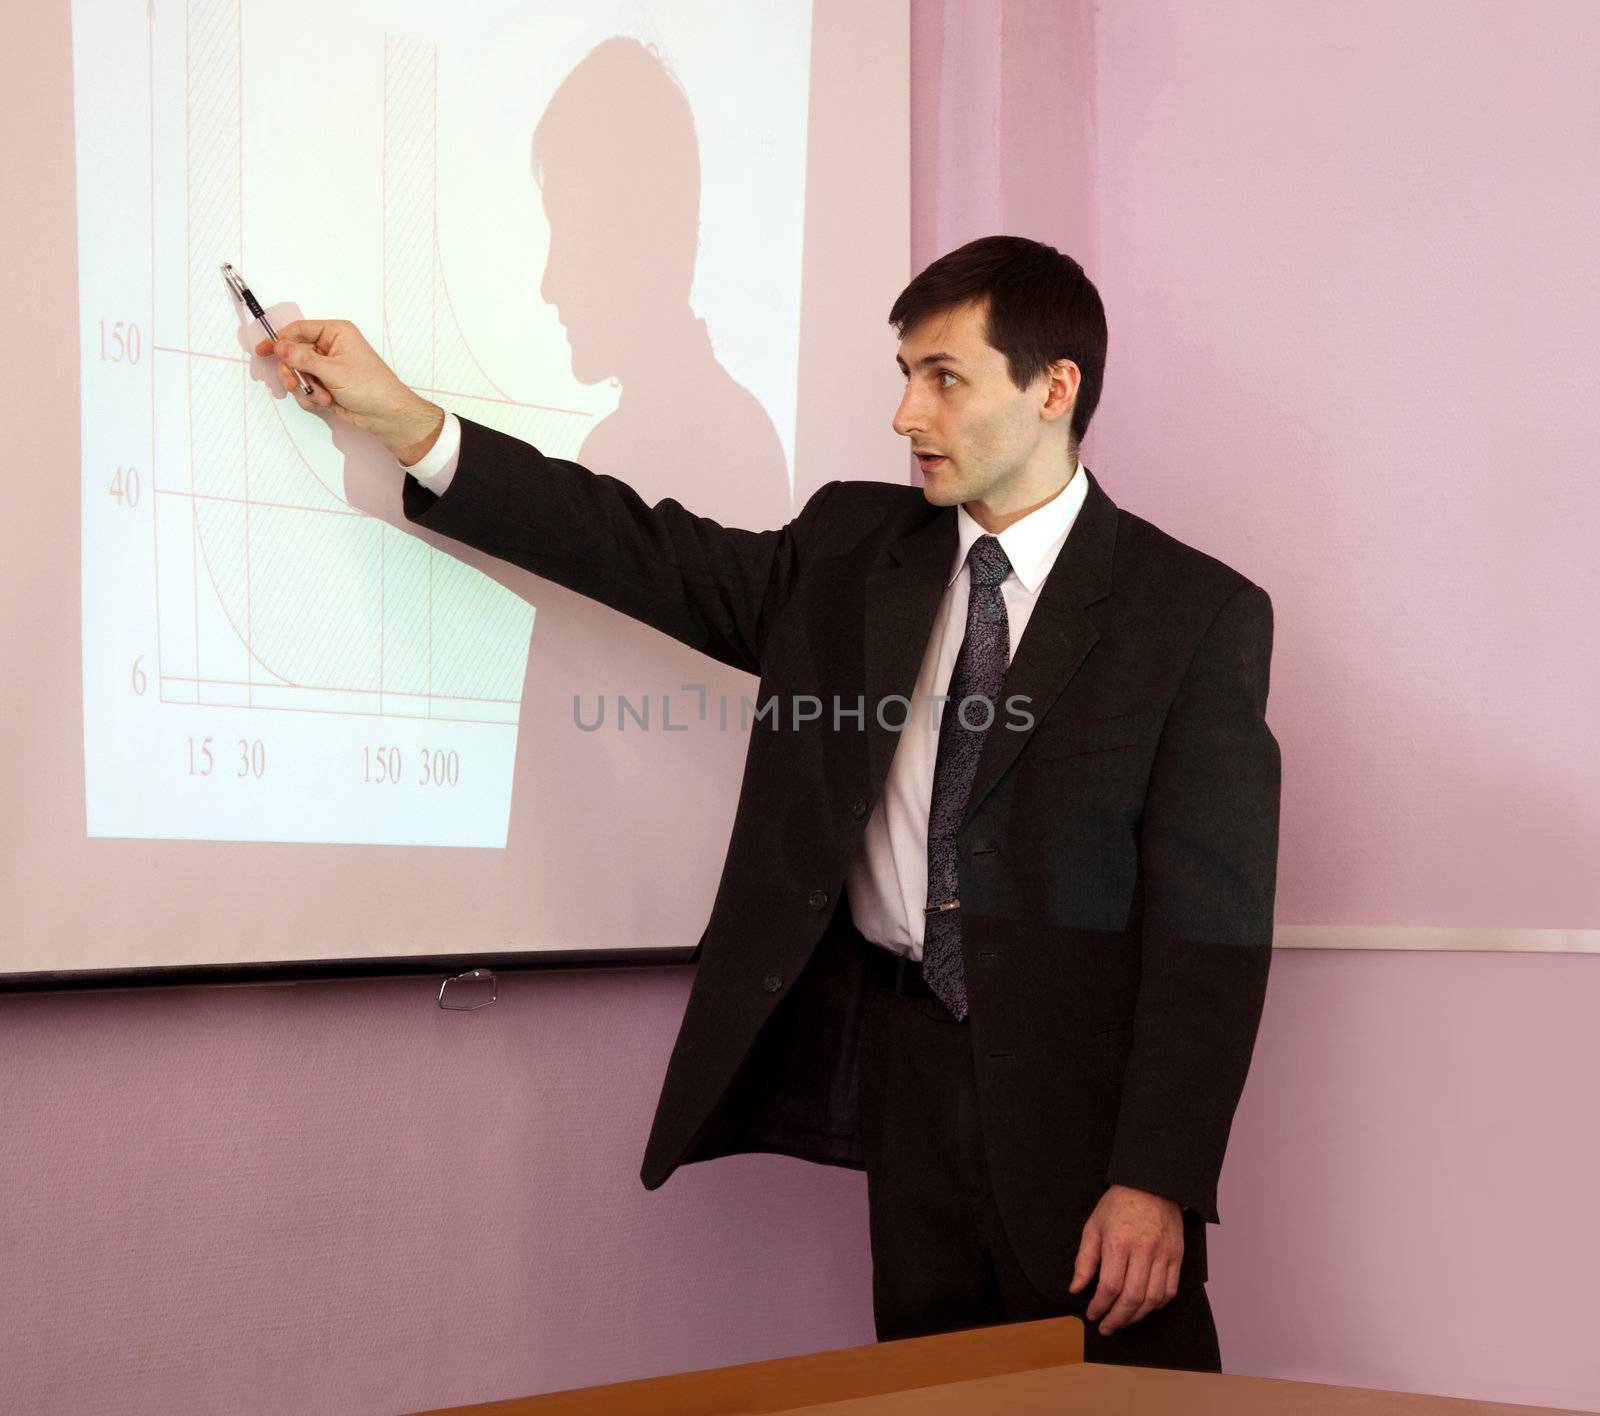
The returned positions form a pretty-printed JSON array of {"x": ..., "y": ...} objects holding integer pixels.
[{"x": 940, "y": 358}]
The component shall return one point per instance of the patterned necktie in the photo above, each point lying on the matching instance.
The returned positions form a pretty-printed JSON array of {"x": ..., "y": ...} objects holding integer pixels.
[{"x": 980, "y": 667}]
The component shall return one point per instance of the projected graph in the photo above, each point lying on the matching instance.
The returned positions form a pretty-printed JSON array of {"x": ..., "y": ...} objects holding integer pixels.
[{"x": 262, "y": 660}]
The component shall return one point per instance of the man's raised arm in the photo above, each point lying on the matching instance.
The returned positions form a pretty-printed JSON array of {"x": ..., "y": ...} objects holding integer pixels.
[{"x": 712, "y": 587}]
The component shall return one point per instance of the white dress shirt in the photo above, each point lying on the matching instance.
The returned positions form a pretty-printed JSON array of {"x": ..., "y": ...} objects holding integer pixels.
[
  {"x": 438, "y": 465},
  {"x": 887, "y": 876}
]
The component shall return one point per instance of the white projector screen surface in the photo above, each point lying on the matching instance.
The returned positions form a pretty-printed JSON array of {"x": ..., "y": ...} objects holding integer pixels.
[
  {"x": 310, "y": 731},
  {"x": 247, "y": 491}
]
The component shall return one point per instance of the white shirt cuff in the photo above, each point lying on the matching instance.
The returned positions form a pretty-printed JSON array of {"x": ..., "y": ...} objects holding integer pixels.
[{"x": 439, "y": 465}]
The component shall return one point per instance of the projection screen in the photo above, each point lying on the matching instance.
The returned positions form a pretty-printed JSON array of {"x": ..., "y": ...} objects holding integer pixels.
[{"x": 270, "y": 723}]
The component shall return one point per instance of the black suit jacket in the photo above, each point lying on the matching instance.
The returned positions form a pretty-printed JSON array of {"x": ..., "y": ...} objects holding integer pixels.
[{"x": 1117, "y": 861}]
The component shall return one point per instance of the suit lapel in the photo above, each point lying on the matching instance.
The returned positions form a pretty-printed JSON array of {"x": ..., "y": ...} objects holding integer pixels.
[
  {"x": 902, "y": 599},
  {"x": 903, "y": 596},
  {"x": 1058, "y": 637}
]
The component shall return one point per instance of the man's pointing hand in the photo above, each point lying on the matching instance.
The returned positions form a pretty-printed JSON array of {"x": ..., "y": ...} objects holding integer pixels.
[{"x": 352, "y": 380}]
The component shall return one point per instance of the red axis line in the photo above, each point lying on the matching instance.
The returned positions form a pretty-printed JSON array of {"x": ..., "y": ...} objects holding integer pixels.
[
  {"x": 155, "y": 534},
  {"x": 244, "y": 380},
  {"x": 198, "y": 354},
  {"x": 508, "y": 402},
  {"x": 436, "y": 268},
  {"x": 419, "y": 388},
  {"x": 434, "y": 276},
  {"x": 383, "y": 185},
  {"x": 188, "y": 268},
  {"x": 383, "y": 601},
  {"x": 335, "y": 688},
  {"x": 430, "y": 631},
  {"x": 277, "y": 506},
  {"x": 341, "y": 713}
]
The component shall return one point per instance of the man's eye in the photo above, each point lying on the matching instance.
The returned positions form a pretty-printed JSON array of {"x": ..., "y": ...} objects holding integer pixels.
[{"x": 946, "y": 374}]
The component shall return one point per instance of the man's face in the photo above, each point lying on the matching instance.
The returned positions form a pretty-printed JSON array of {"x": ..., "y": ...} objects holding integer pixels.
[{"x": 994, "y": 446}]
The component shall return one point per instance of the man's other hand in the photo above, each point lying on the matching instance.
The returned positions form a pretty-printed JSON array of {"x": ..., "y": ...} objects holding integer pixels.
[
  {"x": 349, "y": 378},
  {"x": 1136, "y": 1240}
]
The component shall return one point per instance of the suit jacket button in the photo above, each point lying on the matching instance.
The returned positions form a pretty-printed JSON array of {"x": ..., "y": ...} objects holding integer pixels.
[
  {"x": 818, "y": 900},
  {"x": 772, "y": 983},
  {"x": 859, "y": 809}
]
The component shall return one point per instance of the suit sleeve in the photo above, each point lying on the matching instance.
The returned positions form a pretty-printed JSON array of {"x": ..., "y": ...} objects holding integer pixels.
[
  {"x": 1208, "y": 857},
  {"x": 712, "y": 587}
]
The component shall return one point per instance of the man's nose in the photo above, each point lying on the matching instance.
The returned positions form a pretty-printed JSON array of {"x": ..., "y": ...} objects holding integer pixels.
[{"x": 907, "y": 417}]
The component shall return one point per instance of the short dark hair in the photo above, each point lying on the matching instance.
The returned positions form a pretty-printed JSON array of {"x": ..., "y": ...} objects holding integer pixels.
[{"x": 1040, "y": 307}]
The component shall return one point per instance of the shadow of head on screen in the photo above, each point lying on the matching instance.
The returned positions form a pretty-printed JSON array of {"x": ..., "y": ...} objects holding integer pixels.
[{"x": 616, "y": 832}]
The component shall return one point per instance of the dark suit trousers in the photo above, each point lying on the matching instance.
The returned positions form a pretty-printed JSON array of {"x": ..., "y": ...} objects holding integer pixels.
[{"x": 941, "y": 1260}]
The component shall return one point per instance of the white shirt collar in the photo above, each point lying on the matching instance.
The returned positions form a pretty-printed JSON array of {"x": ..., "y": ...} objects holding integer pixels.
[{"x": 1029, "y": 543}]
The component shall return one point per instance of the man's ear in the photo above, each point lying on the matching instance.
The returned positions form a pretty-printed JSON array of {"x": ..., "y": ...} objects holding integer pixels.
[{"x": 1064, "y": 378}]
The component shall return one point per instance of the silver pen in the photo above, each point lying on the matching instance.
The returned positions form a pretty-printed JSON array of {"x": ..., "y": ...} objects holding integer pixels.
[{"x": 241, "y": 293}]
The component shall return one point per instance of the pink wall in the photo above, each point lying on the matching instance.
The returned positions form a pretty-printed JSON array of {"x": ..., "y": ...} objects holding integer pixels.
[
  {"x": 1343, "y": 251},
  {"x": 336, "y": 1196}
]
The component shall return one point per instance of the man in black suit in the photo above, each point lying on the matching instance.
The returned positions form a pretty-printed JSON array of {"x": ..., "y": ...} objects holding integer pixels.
[{"x": 1007, "y": 952}]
